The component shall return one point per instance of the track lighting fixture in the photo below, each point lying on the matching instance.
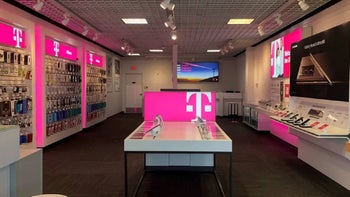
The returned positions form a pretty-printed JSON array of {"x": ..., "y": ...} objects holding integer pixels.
[
  {"x": 37, "y": 7},
  {"x": 278, "y": 19},
  {"x": 170, "y": 25},
  {"x": 227, "y": 47},
  {"x": 260, "y": 30},
  {"x": 173, "y": 35},
  {"x": 86, "y": 31},
  {"x": 126, "y": 46},
  {"x": 171, "y": 20},
  {"x": 66, "y": 19},
  {"x": 96, "y": 37},
  {"x": 167, "y": 5},
  {"x": 303, "y": 5}
]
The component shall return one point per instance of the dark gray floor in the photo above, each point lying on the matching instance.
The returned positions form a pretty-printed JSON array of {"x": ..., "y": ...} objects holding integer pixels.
[{"x": 91, "y": 164}]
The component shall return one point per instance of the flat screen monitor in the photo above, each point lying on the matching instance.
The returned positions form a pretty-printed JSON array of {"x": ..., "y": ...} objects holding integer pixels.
[
  {"x": 280, "y": 54},
  {"x": 198, "y": 72}
]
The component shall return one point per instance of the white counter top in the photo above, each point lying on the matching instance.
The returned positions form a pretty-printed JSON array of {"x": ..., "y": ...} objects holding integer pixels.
[{"x": 178, "y": 137}]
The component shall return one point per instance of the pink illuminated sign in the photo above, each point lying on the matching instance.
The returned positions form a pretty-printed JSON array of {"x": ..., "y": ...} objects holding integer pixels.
[
  {"x": 180, "y": 106},
  {"x": 12, "y": 36},
  {"x": 280, "y": 54},
  {"x": 94, "y": 59},
  {"x": 60, "y": 49}
]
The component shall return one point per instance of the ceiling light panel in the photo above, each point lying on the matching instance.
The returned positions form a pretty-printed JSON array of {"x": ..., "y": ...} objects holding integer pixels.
[
  {"x": 240, "y": 21},
  {"x": 156, "y": 50},
  {"x": 213, "y": 50},
  {"x": 134, "y": 21}
]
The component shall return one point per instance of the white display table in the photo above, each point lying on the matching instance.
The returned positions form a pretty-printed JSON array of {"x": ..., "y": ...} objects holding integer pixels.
[{"x": 178, "y": 138}]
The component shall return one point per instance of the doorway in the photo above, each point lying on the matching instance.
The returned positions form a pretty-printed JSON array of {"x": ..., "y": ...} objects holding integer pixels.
[{"x": 134, "y": 93}]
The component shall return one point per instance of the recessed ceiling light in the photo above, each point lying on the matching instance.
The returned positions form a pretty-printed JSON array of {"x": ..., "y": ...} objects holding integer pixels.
[
  {"x": 133, "y": 54},
  {"x": 240, "y": 21},
  {"x": 134, "y": 20},
  {"x": 156, "y": 50},
  {"x": 213, "y": 50}
]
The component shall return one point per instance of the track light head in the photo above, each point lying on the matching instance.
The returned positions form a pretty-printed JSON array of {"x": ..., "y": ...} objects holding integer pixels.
[
  {"x": 173, "y": 35},
  {"x": 278, "y": 19},
  {"x": 167, "y": 5},
  {"x": 97, "y": 36},
  {"x": 37, "y": 7},
  {"x": 260, "y": 30},
  {"x": 66, "y": 19},
  {"x": 303, "y": 5},
  {"x": 86, "y": 31}
]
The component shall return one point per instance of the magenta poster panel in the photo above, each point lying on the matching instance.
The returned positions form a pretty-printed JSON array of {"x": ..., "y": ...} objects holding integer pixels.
[
  {"x": 180, "y": 106},
  {"x": 280, "y": 54},
  {"x": 94, "y": 59},
  {"x": 12, "y": 36},
  {"x": 60, "y": 49}
]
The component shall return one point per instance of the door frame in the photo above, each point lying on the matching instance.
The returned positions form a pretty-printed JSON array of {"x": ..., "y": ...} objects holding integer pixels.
[{"x": 125, "y": 89}]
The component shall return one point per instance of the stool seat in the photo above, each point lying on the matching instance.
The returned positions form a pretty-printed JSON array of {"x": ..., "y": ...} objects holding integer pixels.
[{"x": 50, "y": 195}]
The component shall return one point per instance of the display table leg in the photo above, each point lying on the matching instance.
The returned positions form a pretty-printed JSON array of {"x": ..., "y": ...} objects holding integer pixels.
[{"x": 126, "y": 174}]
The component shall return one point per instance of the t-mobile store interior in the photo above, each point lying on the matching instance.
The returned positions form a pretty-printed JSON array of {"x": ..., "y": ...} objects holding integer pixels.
[{"x": 174, "y": 98}]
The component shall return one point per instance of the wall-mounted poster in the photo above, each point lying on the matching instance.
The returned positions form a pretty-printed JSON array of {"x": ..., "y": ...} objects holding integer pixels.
[
  {"x": 320, "y": 65},
  {"x": 116, "y": 77},
  {"x": 109, "y": 74},
  {"x": 280, "y": 54},
  {"x": 109, "y": 66}
]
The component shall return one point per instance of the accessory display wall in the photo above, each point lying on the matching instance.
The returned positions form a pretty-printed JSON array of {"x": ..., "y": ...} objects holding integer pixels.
[
  {"x": 96, "y": 94},
  {"x": 16, "y": 81}
]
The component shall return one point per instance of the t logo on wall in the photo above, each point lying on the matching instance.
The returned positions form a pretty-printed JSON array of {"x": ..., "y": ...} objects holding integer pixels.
[
  {"x": 12, "y": 36},
  {"x": 199, "y": 107},
  {"x": 56, "y": 47},
  {"x": 17, "y": 37},
  {"x": 91, "y": 59}
]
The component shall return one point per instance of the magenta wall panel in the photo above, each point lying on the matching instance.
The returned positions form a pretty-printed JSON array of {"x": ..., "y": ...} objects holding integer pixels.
[
  {"x": 12, "y": 36},
  {"x": 180, "y": 106}
]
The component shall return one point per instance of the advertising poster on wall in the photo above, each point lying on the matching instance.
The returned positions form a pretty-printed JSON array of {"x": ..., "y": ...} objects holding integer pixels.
[
  {"x": 320, "y": 65},
  {"x": 116, "y": 77},
  {"x": 280, "y": 54},
  {"x": 109, "y": 74}
]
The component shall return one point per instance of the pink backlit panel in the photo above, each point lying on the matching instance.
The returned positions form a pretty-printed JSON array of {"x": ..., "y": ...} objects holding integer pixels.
[
  {"x": 280, "y": 54},
  {"x": 12, "y": 36},
  {"x": 94, "y": 59},
  {"x": 40, "y": 118},
  {"x": 180, "y": 106},
  {"x": 60, "y": 49}
]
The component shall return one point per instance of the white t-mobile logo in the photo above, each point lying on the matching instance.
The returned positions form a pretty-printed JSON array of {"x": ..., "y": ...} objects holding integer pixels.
[
  {"x": 17, "y": 36},
  {"x": 189, "y": 108},
  {"x": 91, "y": 58},
  {"x": 56, "y": 47}
]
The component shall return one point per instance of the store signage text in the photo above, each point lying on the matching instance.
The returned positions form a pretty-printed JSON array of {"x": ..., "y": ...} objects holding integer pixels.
[
  {"x": 60, "y": 49},
  {"x": 94, "y": 59},
  {"x": 12, "y": 36}
]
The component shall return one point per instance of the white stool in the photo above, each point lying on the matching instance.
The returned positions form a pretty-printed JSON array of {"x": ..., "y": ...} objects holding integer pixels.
[{"x": 50, "y": 195}]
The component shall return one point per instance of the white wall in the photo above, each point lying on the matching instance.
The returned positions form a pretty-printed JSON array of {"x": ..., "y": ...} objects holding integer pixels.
[
  {"x": 258, "y": 81},
  {"x": 157, "y": 74},
  {"x": 114, "y": 98}
]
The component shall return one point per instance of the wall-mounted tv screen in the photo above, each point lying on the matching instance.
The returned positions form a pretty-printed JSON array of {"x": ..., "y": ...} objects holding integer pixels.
[
  {"x": 320, "y": 65},
  {"x": 198, "y": 72},
  {"x": 280, "y": 54}
]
